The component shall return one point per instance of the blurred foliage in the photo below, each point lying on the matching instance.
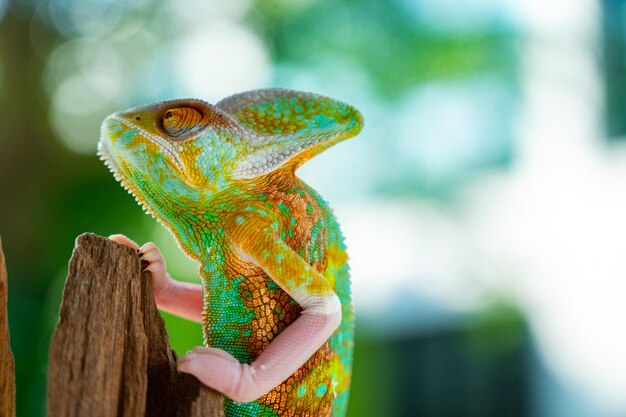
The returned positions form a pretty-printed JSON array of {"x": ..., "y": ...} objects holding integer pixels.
[
  {"x": 478, "y": 369},
  {"x": 382, "y": 38},
  {"x": 614, "y": 66}
]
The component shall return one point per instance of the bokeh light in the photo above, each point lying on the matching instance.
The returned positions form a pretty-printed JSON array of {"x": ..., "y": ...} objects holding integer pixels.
[
  {"x": 216, "y": 63},
  {"x": 3, "y": 7}
]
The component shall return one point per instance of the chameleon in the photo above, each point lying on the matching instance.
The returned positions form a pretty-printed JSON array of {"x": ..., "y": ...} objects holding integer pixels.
[{"x": 274, "y": 299}]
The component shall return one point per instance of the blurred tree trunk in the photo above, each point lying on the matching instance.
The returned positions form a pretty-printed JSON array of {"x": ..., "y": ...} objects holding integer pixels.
[
  {"x": 31, "y": 173},
  {"x": 110, "y": 355},
  {"x": 7, "y": 371}
]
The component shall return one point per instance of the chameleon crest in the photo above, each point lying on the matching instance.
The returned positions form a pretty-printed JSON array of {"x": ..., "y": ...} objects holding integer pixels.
[{"x": 277, "y": 313}]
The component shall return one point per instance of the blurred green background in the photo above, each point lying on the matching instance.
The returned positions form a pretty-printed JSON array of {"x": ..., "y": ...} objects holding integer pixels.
[{"x": 483, "y": 204}]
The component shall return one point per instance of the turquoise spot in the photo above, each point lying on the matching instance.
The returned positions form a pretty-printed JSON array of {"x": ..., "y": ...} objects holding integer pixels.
[
  {"x": 321, "y": 390},
  {"x": 301, "y": 390},
  {"x": 127, "y": 137},
  {"x": 284, "y": 209},
  {"x": 240, "y": 220}
]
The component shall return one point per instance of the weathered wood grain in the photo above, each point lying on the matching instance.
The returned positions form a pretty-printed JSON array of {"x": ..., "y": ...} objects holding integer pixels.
[
  {"x": 7, "y": 364},
  {"x": 110, "y": 355}
]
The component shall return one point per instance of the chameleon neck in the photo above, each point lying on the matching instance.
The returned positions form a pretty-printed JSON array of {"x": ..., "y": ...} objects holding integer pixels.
[{"x": 183, "y": 210}]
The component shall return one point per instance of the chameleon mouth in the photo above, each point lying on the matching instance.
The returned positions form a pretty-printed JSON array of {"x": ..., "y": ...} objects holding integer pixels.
[
  {"x": 108, "y": 156},
  {"x": 113, "y": 166},
  {"x": 105, "y": 154}
]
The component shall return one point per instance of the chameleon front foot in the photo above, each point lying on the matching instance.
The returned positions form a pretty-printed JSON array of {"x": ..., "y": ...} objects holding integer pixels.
[{"x": 183, "y": 299}]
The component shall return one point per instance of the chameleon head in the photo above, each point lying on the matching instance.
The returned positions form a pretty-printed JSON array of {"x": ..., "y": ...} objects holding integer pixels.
[
  {"x": 181, "y": 145},
  {"x": 190, "y": 149}
]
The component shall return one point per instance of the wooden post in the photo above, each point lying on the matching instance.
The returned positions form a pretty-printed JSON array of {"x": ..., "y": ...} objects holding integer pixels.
[
  {"x": 110, "y": 355},
  {"x": 7, "y": 364}
]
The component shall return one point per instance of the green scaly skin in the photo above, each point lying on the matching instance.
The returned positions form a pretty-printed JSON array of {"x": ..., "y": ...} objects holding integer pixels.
[{"x": 213, "y": 175}]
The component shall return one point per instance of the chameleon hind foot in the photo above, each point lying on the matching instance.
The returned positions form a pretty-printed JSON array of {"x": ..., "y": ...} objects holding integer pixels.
[{"x": 282, "y": 357}]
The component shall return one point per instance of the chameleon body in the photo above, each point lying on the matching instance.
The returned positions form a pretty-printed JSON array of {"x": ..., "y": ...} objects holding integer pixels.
[{"x": 222, "y": 179}]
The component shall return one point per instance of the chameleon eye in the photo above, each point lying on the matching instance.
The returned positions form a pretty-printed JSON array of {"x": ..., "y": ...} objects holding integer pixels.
[{"x": 182, "y": 120}]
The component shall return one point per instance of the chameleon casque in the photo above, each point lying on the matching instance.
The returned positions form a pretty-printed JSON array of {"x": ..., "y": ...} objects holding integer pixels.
[{"x": 275, "y": 299}]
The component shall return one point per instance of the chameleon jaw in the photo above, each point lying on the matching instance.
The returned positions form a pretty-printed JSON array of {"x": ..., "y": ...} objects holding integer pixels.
[
  {"x": 113, "y": 166},
  {"x": 104, "y": 154}
]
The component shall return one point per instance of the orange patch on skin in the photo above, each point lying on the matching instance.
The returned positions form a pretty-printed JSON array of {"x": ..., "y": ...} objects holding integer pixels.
[{"x": 274, "y": 310}]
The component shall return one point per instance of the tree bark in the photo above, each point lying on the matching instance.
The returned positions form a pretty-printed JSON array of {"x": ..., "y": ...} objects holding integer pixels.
[
  {"x": 110, "y": 355},
  {"x": 7, "y": 364}
]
